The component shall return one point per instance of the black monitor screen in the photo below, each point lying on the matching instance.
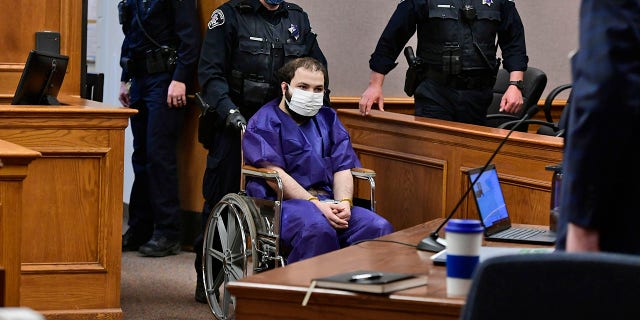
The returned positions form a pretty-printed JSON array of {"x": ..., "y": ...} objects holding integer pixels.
[{"x": 41, "y": 79}]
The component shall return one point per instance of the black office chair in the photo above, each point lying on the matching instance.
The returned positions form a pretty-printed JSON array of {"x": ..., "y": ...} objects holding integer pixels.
[
  {"x": 551, "y": 127},
  {"x": 555, "y": 286},
  {"x": 535, "y": 80},
  {"x": 94, "y": 86}
]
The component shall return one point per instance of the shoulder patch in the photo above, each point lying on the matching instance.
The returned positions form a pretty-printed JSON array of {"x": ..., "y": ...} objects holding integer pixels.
[{"x": 217, "y": 19}]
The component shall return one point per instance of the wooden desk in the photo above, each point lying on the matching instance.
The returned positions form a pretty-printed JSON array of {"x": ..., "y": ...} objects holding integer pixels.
[
  {"x": 278, "y": 293},
  {"x": 71, "y": 206}
]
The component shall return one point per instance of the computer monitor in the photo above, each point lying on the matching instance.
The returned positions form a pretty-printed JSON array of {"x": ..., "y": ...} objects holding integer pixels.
[{"x": 41, "y": 79}]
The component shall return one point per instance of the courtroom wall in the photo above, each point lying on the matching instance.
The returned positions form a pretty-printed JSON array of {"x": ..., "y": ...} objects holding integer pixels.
[{"x": 349, "y": 30}]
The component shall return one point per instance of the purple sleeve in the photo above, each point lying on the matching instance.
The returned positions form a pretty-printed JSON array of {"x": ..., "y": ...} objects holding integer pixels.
[{"x": 261, "y": 144}]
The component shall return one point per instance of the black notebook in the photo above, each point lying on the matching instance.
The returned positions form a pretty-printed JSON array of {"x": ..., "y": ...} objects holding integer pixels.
[
  {"x": 371, "y": 281},
  {"x": 493, "y": 212}
]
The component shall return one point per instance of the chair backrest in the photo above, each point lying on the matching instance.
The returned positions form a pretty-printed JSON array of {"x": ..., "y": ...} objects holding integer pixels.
[
  {"x": 535, "y": 80},
  {"x": 555, "y": 128},
  {"x": 555, "y": 286},
  {"x": 93, "y": 89}
]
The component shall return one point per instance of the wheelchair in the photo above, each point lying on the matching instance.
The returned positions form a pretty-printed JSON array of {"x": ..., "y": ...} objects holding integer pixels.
[{"x": 242, "y": 236}]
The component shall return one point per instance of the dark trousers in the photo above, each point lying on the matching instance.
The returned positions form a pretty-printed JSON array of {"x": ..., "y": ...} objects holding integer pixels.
[
  {"x": 221, "y": 176},
  {"x": 433, "y": 100},
  {"x": 154, "y": 207}
]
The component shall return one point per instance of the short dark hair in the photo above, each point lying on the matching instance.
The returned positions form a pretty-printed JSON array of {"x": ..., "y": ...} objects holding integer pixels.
[{"x": 288, "y": 71}]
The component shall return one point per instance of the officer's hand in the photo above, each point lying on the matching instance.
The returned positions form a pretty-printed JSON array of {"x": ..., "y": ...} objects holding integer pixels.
[
  {"x": 177, "y": 94},
  {"x": 373, "y": 94},
  {"x": 124, "y": 94},
  {"x": 235, "y": 120},
  {"x": 511, "y": 100}
]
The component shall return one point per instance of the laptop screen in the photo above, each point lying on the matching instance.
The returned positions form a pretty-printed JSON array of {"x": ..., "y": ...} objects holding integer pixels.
[{"x": 490, "y": 201}]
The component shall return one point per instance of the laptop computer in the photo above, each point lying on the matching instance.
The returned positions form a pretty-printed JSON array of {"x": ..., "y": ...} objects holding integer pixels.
[{"x": 494, "y": 215}]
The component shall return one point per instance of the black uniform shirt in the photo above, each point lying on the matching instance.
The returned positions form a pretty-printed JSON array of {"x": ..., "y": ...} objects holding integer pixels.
[
  {"x": 220, "y": 43},
  {"x": 172, "y": 23},
  {"x": 409, "y": 13}
]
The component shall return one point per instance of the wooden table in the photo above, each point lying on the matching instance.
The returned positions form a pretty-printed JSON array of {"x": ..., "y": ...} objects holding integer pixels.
[{"x": 278, "y": 293}]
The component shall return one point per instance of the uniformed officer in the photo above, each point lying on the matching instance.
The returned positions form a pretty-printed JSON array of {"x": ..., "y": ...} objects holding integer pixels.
[
  {"x": 159, "y": 56},
  {"x": 457, "y": 45},
  {"x": 247, "y": 41}
]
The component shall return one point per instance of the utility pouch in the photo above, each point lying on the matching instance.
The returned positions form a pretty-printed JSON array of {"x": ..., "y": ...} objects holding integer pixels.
[
  {"x": 255, "y": 91},
  {"x": 451, "y": 63},
  {"x": 162, "y": 59}
]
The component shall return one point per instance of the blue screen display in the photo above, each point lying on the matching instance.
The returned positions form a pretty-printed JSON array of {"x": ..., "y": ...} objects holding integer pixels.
[{"x": 489, "y": 197}]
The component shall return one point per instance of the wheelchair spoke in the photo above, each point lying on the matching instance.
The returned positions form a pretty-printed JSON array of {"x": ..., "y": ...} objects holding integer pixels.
[
  {"x": 227, "y": 301},
  {"x": 216, "y": 254},
  {"x": 235, "y": 272},
  {"x": 235, "y": 231},
  {"x": 222, "y": 231}
]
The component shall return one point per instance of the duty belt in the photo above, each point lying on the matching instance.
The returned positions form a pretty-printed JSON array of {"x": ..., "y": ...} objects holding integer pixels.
[{"x": 461, "y": 81}]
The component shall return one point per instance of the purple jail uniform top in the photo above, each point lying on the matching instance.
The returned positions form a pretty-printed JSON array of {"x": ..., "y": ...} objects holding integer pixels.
[{"x": 310, "y": 153}]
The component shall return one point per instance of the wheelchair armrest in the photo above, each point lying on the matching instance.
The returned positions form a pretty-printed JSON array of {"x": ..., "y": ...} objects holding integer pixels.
[
  {"x": 367, "y": 174},
  {"x": 259, "y": 172},
  {"x": 363, "y": 173},
  {"x": 267, "y": 174}
]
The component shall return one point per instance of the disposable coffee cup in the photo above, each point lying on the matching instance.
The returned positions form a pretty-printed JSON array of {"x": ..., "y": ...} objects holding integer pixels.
[{"x": 464, "y": 238}]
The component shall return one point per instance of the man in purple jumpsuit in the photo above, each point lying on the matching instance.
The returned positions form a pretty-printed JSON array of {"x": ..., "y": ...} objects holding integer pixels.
[{"x": 306, "y": 143}]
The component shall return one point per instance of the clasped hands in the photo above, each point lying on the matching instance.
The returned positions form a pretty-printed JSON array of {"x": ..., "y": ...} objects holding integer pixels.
[{"x": 337, "y": 213}]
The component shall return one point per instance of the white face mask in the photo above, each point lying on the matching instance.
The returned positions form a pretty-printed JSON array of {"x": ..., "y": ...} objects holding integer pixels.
[{"x": 305, "y": 103}]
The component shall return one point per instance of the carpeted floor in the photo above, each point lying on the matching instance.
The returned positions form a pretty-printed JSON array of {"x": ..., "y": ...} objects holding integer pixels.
[{"x": 160, "y": 288}]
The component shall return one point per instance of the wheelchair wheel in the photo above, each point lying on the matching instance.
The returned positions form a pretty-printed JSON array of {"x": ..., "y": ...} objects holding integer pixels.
[{"x": 227, "y": 252}]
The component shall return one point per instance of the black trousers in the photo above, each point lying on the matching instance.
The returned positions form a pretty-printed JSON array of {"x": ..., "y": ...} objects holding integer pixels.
[
  {"x": 433, "y": 100},
  {"x": 221, "y": 176},
  {"x": 154, "y": 207}
]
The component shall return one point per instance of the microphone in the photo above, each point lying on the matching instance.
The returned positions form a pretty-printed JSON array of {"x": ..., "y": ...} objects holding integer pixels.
[{"x": 431, "y": 243}]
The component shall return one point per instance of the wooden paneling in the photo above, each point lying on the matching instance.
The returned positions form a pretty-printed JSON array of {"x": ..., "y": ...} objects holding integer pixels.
[
  {"x": 17, "y": 37},
  {"x": 72, "y": 206},
  {"x": 422, "y": 164},
  {"x": 14, "y": 160}
]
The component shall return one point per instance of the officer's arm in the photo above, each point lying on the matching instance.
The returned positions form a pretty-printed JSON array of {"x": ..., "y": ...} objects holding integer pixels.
[
  {"x": 124, "y": 50},
  {"x": 215, "y": 61},
  {"x": 188, "y": 31},
  {"x": 124, "y": 53},
  {"x": 398, "y": 31},
  {"x": 511, "y": 39}
]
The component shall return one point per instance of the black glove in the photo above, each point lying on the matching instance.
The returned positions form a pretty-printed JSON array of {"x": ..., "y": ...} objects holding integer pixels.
[{"x": 235, "y": 120}]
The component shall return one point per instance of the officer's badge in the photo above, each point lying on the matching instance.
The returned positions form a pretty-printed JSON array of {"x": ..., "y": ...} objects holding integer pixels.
[
  {"x": 487, "y": 2},
  {"x": 294, "y": 31},
  {"x": 217, "y": 19}
]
